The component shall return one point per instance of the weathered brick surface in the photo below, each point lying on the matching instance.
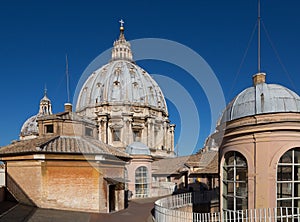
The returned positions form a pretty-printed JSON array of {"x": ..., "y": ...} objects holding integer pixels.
[
  {"x": 69, "y": 185},
  {"x": 24, "y": 181}
]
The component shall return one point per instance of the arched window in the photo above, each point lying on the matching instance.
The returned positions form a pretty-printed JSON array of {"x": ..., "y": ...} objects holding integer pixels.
[
  {"x": 235, "y": 182},
  {"x": 288, "y": 179},
  {"x": 141, "y": 182}
]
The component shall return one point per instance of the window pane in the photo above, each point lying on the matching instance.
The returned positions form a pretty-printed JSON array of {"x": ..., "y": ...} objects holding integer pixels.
[
  {"x": 229, "y": 158},
  {"x": 116, "y": 135},
  {"x": 284, "y": 173},
  {"x": 297, "y": 203},
  {"x": 284, "y": 190},
  {"x": 137, "y": 135},
  {"x": 230, "y": 190},
  {"x": 284, "y": 203},
  {"x": 241, "y": 174},
  {"x": 297, "y": 190},
  {"x": 297, "y": 173},
  {"x": 230, "y": 174},
  {"x": 241, "y": 203},
  {"x": 230, "y": 203},
  {"x": 287, "y": 157},
  {"x": 297, "y": 155},
  {"x": 241, "y": 189},
  {"x": 240, "y": 160}
]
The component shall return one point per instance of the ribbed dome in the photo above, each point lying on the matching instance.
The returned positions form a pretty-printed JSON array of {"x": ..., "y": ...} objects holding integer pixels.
[
  {"x": 30, "y": 127},
  {"x": 137, "y": 148},
  {"x": 260, "y": 99},
  {"x": 120, "y": 82}
]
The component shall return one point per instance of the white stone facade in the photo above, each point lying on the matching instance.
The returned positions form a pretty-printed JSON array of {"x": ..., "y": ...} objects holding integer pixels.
[{"x": 127, "y": 104}]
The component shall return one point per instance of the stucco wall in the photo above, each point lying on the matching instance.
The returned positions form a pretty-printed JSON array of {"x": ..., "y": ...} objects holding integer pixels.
[{"x": 262, "y": 140}]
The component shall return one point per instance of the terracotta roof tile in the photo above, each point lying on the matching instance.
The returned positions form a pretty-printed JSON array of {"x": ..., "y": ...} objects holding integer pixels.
[
  {"x": 169, "y": 166},
  {"x": 206, "y": 161},
  {"x": 211, "y": 168},
  {"x": 62, "y": 144}
]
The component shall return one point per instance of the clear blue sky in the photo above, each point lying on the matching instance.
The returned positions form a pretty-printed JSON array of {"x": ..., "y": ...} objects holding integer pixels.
[{"x": 36, "y": 35}]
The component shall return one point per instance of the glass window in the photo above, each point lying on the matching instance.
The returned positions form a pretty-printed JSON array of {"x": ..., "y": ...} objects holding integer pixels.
[
  {"x": 141, "y": 182},
  {"x": 288, "y": 179},
  {"x": 137, "y": 134},
  {"x": 235, "y": 182},
  {"x": 49, "y": 128},
  {"x": 116, "y": 134},
  {"x": 88, "y": 131}
]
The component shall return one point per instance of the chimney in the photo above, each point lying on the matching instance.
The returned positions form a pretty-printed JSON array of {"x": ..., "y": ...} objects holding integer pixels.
[
  {"x": 259, "y": 78},
  {"x": 68, "y": 107}
]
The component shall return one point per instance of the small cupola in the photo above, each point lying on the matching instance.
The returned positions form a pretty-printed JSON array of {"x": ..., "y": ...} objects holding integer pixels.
[{"x": 45, "y": 105}]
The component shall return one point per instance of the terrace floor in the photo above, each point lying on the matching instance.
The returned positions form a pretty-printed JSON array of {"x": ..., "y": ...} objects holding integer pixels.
[{"x": 139, "y": 210}]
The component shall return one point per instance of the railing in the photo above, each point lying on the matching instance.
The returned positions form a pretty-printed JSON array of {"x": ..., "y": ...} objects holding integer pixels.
[
  {"x": 176, "y": 201},
  {"x": 162, "y": 188},
  {"x": 282, "y": 214},
  {"x": 178, "y": 208}
]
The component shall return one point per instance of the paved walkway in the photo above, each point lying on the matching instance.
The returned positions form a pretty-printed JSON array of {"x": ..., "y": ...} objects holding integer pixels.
[{"x": 137, "y": 211}]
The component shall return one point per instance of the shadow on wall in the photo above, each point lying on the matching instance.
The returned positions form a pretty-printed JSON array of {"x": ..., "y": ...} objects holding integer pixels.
[{"x": 17, "y": 192}]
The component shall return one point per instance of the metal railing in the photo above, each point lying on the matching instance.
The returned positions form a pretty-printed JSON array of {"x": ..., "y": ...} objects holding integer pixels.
[
  {"x": 282, "y": 214},
  {"x": 178, "y": 208}
]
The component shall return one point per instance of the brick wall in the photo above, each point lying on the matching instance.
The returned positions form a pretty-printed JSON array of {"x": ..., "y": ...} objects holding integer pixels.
[
  {"x": 71, "y": 185},
  {"x": 24, "y": 181},
  {"x": 63, "y": 184}
]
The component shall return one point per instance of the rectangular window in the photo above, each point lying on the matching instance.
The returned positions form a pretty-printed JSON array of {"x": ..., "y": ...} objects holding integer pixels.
[
  {"x": 116, "y": 135},
  {"x": 49, "y": 128},
  {"x": 88, "y": 131},
  {"x": 137, "y": 134}
]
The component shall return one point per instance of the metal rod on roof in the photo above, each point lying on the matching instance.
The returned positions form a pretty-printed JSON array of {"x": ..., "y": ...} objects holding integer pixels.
[
  {"x": 67, "y": 76},
  {"x": 258, "y": 36}
]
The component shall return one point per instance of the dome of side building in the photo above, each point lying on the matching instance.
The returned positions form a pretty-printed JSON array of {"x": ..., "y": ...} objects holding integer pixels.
[{"x": 261, "y": 98}]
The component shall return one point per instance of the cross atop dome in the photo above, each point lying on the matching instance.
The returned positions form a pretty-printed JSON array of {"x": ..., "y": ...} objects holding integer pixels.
[
  {"x": 121, "y": 49},
  {"x": 121, "y": 22},
  {"x": 121, "y": 27}
]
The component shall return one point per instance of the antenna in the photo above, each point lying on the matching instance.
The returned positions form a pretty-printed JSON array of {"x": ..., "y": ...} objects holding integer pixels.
[
  {"x": 67, "y": 76},
  {"x": 258, "y": 36}
]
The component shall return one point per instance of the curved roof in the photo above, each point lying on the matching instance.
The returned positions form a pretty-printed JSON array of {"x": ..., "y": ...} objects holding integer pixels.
[
  {"x": 120, "y": 82},
  {"x": 260, "y": 99},
  {"x": 61, "y": 144},
  {"x": 137, "y": 148},
  {"x": 30, "y": 127}
]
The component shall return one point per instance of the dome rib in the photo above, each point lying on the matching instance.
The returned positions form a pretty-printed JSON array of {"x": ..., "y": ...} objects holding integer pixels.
[{"x": 119, "y": 87}]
